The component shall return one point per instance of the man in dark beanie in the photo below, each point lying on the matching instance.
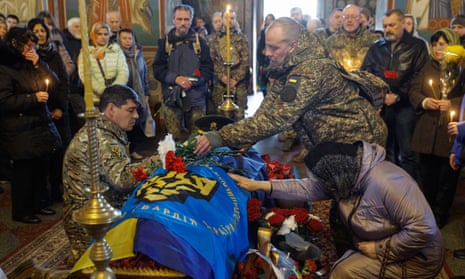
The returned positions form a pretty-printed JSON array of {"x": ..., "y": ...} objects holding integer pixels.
[
  {"x": 458, "y": 25},
  {"x": 391, "y": 226}
]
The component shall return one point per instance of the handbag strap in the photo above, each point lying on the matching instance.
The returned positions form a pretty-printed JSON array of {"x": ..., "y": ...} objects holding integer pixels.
[{"x": 101, "y": 69}]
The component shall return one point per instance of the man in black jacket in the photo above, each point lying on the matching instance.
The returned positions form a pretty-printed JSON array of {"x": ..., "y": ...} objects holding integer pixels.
[{"x": 397, "y": 58}]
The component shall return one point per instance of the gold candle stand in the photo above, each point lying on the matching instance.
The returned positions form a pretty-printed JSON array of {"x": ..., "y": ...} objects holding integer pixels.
[{"x": 228, "y": 107}]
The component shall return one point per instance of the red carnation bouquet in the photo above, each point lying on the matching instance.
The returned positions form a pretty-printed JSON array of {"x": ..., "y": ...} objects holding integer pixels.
[
  {"x": 276, "y": 170},
  {"x": 174, "y": 163},
  {"x": 283, "y": 222}
]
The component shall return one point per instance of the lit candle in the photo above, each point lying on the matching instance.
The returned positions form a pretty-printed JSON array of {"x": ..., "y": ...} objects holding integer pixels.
[
  {"x": 349, "y": 64},
  {"x": 88, "y": 94},
  {"x": 451, "y": 116},
  {"x": 46, "y": 85},
  {"x": 432, "y": 88},
  {"x": 228, "y": 36}
]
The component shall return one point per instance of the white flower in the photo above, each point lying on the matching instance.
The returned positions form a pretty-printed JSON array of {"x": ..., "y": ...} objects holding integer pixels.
[{"x": 288, "y": 225}]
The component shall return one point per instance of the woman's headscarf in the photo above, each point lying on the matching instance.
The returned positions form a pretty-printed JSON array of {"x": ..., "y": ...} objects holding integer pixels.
[
  {"x": 337, "y": 165},
  {"x": 451, "y": 37},
  {"x": 95, "y": 28},
  {"x": 47, "y": 46}
]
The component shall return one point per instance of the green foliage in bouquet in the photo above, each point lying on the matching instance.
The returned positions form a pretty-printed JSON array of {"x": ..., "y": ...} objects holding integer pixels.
[{"x": 212, "y": 158}]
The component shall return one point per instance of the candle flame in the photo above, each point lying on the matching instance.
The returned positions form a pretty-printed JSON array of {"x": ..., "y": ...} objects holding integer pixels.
[
  {"x": 46, "y": 81},
  {"x": 430, "y": 82},
  {"x": 452, "y": 114}
]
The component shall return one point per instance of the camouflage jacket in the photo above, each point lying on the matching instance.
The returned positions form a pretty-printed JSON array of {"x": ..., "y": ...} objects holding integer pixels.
[
  {"x": 115, "y": 166},
  {"x": 349, "y": 49},
  {"x": 239, "y": 54},
  {"x": 309, "y": 93}
]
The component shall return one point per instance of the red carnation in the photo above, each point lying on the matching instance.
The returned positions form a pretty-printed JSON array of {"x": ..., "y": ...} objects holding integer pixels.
[
  {"x": 276, "y": 220},
  {"x": 286, "y": 170},
  {"x": 310, "y": 265},
  {"x": 254, "y": 207},
  {"x": 179, "y": 165},
  {"x": 273, "y": 166},
  {"x": 301, "y": 215},
  {"x": 169, "y": 159},
  {"x": 197, "y": 72},
  {"x": 139, "y": 173},
  {"x": 266, "y": 158},
  {"x": 315, "y": 225}
]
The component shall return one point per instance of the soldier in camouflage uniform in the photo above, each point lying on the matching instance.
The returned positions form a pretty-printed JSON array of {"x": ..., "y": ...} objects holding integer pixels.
[
  {"x": 184, "y": 67},
  {"x": 239, "y": 68},
  {"x": 334, "y": 22},
  {"x": 350, "y": 44},
  {"x": 307, "y": 92},
  {"x": 119, "y": 106}
]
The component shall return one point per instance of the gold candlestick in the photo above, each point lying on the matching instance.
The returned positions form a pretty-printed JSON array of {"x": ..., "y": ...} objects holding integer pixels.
[
  {"x": 228, "y": 35},
  {"x": 97, "y": 215},
  {"x": 228, "y": 107}
]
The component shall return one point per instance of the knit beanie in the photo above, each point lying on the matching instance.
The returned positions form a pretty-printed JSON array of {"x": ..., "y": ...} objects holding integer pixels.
[
  {"x": 458, "y": 19},
  {"x": 337, "y": 165}
]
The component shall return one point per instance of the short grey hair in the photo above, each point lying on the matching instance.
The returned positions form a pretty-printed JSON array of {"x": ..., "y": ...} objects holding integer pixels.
[{"x": 290, "y": 28}]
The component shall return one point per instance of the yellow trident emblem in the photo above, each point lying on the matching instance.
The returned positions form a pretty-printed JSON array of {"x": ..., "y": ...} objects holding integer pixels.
[{"x": 176, "y": 186}]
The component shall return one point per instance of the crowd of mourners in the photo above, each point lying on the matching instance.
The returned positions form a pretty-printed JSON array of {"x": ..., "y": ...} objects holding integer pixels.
[{"x": 302, "y": 65}]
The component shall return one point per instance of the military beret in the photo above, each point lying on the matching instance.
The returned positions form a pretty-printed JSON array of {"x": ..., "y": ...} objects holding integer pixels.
[{"x": 212, "y": 122}]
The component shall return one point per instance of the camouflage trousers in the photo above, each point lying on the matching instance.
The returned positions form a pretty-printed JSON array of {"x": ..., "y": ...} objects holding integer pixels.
[
  {"x": 181, "y": 123},
  {"x": 239, "y": 94},
  {"x": 77, "y": 236}
]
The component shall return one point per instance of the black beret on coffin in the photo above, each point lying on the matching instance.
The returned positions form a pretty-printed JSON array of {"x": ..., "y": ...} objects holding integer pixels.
[{"x": 212, "y": 122}]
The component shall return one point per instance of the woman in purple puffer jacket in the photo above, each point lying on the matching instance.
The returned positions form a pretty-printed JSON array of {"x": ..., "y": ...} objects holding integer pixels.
[{"x": 393, "y": 230}]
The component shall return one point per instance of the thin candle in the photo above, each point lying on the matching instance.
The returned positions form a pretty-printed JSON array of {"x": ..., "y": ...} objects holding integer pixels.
[
  {"x": 88, "y": 94},
  {"x": 451, "y": 116},
  {"x": 432, "y": 88},
  {"x": 46, "y": 84},
  {"x": 228, "y": 36}
]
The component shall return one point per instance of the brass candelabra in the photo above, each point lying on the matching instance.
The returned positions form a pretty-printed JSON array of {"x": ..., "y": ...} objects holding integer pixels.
[
  {"x": 228, "y": 107},
  {"x": 97, "y": 215}
]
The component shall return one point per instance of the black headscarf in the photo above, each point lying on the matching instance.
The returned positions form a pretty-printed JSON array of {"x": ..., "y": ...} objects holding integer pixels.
[{"x": 337, "y": 165}]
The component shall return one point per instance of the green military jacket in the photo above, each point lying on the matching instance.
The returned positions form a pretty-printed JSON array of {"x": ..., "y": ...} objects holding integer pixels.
[
  {"x": 309, "y": 93},
  {"x": 349, "y": 49},
  {"x": 239, "y": 54}
]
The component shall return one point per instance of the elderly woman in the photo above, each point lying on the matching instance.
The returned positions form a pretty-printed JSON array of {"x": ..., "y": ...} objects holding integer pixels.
[
  {"x": 108, "y": 63},
  {"x": 139, "y": 81},
  {"x": 393, "y": 231}
]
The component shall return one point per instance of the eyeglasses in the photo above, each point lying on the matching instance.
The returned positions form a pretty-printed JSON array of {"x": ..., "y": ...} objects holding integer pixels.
[{"x": 350, "y": 17}]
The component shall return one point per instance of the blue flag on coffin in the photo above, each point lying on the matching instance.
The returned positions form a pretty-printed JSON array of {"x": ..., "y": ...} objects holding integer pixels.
[{"x": 200, "y": 215}]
